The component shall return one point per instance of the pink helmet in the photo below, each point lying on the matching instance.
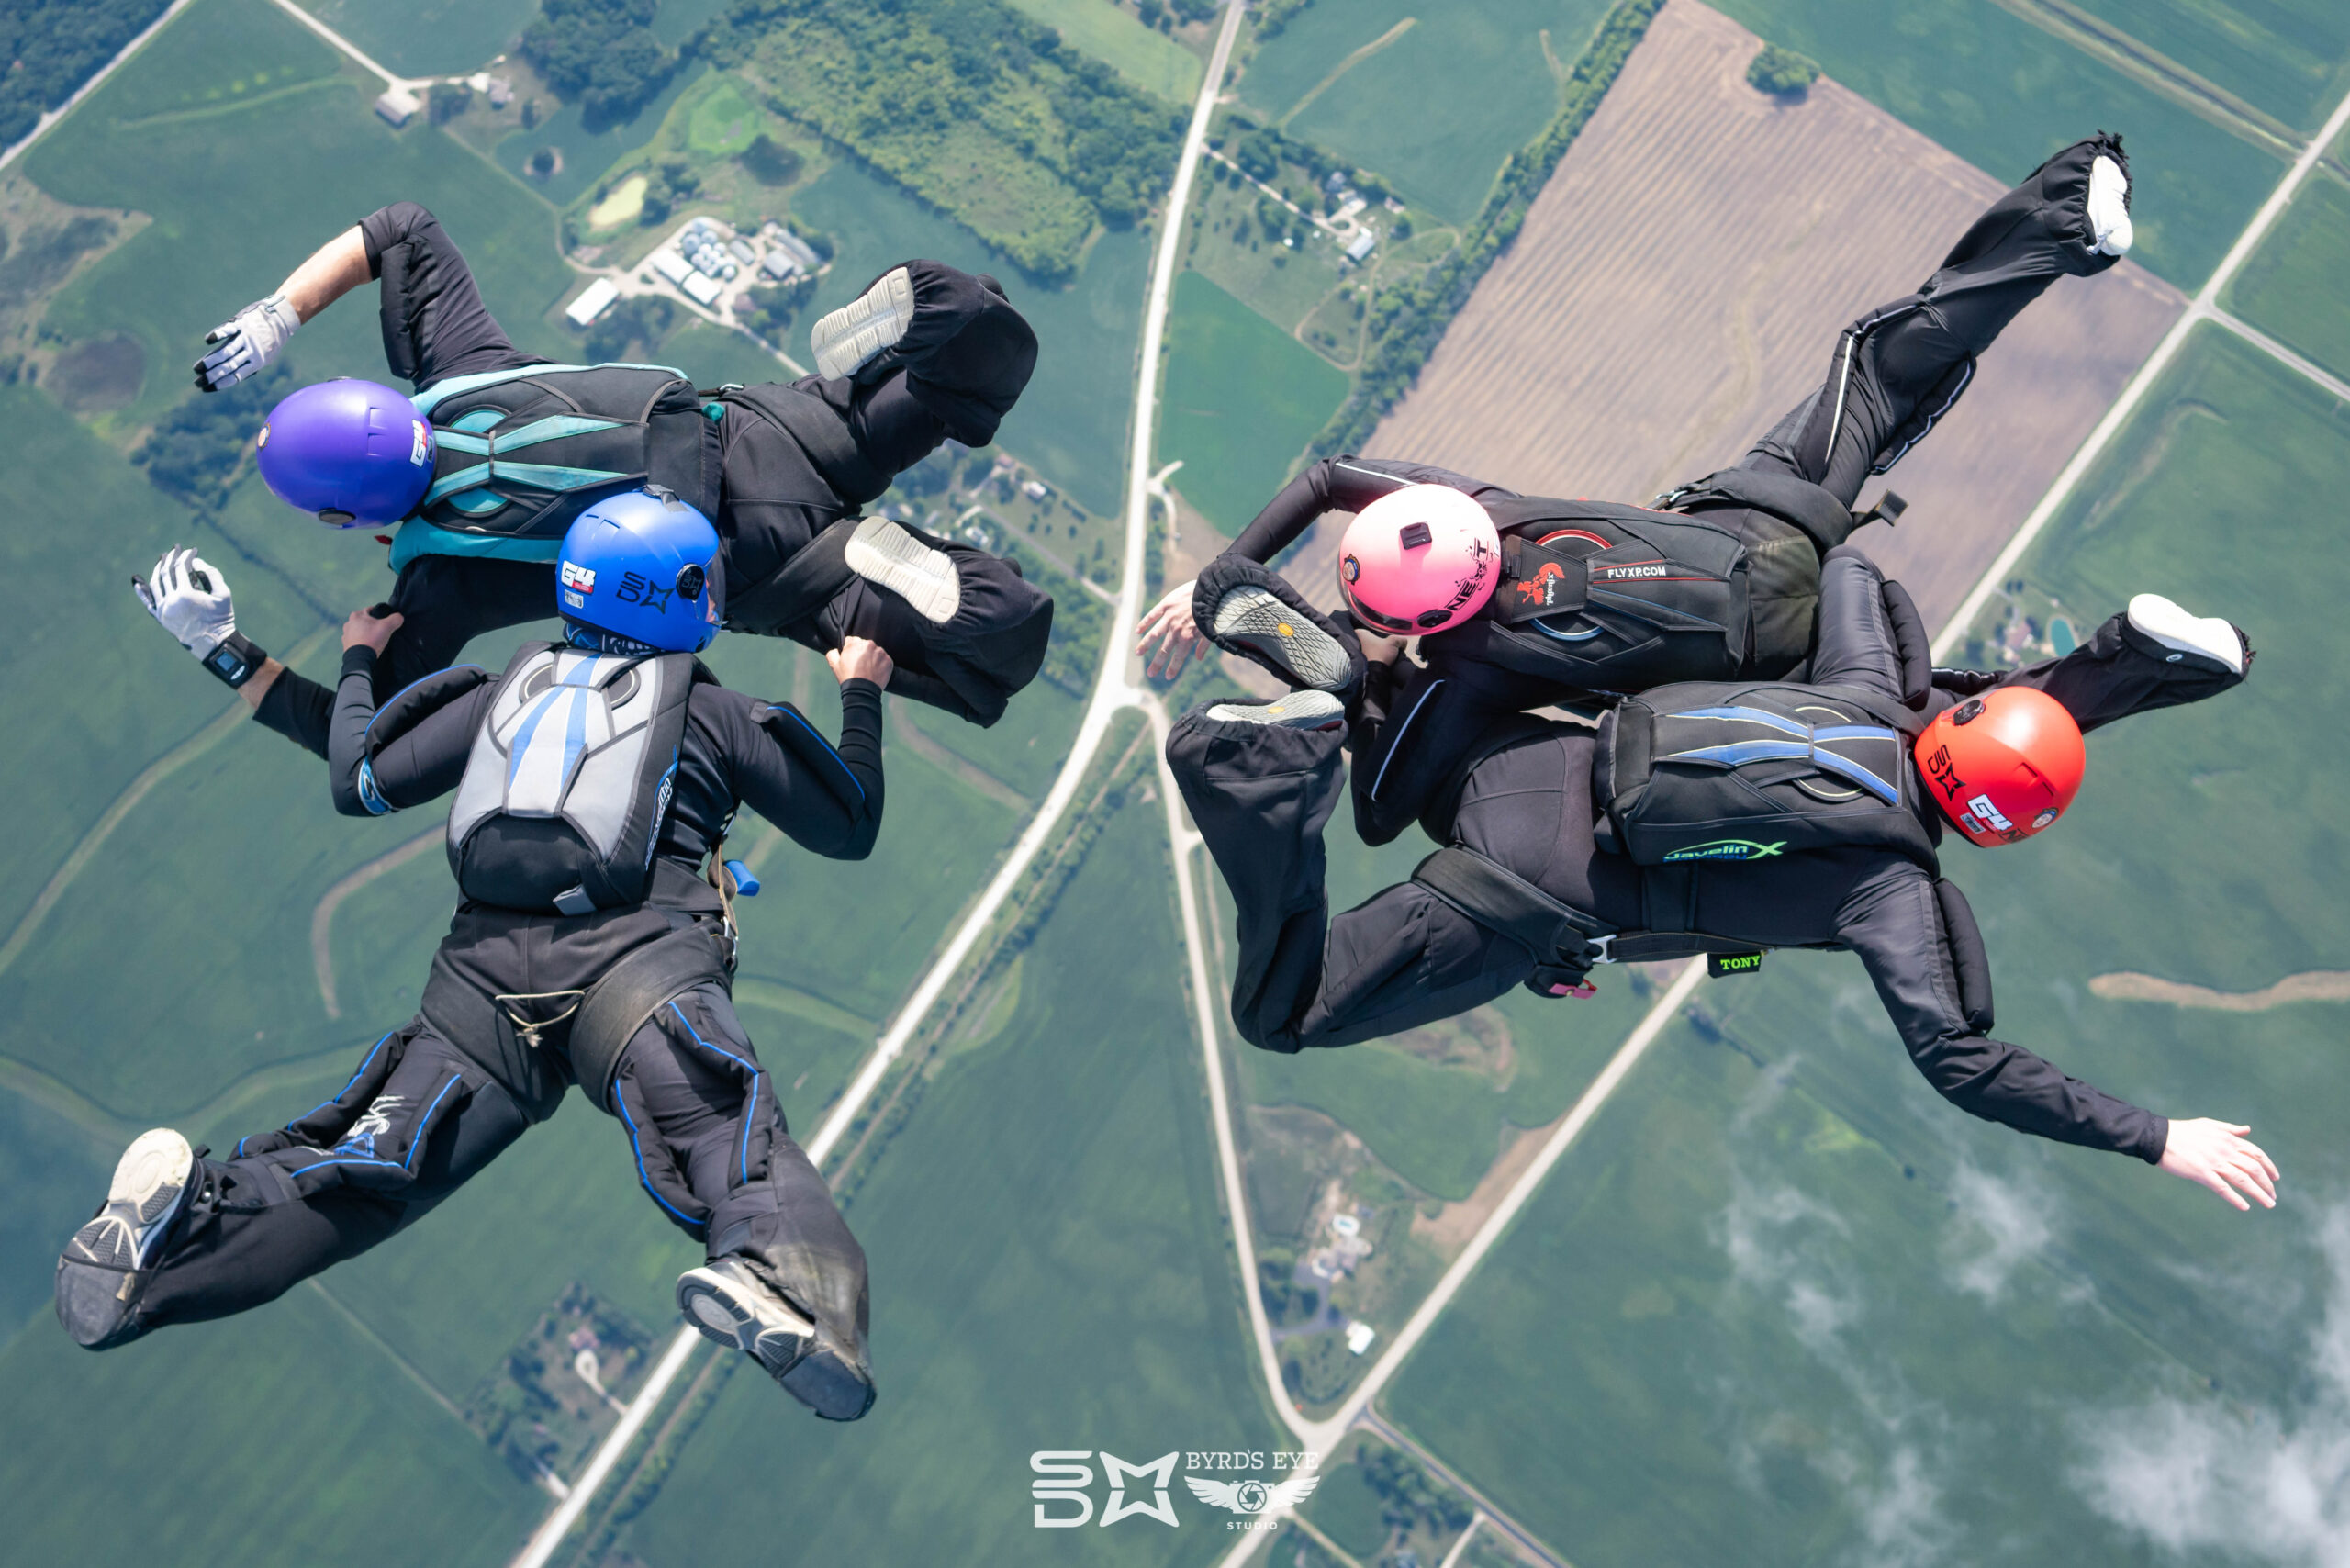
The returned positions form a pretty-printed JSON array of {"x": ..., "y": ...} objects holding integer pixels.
[{"x": 1420, "y": 559}]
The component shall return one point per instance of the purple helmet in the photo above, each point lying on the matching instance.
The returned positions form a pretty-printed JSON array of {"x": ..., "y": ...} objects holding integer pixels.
[{"x": 354, "y": 454}]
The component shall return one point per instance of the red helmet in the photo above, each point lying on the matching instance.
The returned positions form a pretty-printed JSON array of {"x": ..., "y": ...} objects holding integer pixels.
[
  {"x": 2004, "y": 764},
  {"x": 1420, "y": 559}
]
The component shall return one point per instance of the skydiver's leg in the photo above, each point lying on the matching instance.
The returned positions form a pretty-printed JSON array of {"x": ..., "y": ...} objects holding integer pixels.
[
  {"x": 434, "y": 320},
  {"x": 445, "y": 601},
  {"x": 1260, "y": 796},
  {"x": 964, "y": 629},
  {"x": 1901, "y": 367},
  {"x": 416, "y": 1122},
  {"x": 2151, "y": 656},
  {"x": 710, "y": 1146}
]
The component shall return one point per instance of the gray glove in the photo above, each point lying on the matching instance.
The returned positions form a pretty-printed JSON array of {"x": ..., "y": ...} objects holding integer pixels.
[
  {"x": 246, "y": 342},
  {"x": 189, "y": 599}
]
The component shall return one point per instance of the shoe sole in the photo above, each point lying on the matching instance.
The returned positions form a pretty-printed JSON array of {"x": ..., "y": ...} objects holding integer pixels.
[
  {"x": 1304, "y": 710},
  {"x": 2152, "y": 615},
  {"x": 847, "y": 339},
  {"x": 882, "y": 552},
  {"x": 2118, "y": 234},
  {"x": 790, "y": 1351},
  {"x": 1300, "y": 650},
  {"x": 149, "y": 1181}
]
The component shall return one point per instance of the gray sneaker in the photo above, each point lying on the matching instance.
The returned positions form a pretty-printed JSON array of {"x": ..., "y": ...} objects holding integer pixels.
[
  {"x": 1298, "y": 711},
  {"x": 104, "y": 1267},
  {"x": 727, "y": 1302},
  {"x": 848, "y": 339},
  {"x": 1293, "y": 644},
  {"x": 882, "y": 552}
]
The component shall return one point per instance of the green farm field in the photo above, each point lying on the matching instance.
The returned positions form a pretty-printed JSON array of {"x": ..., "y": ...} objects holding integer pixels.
[
  {"x": 2291, "y": 287},
  {"x": 1241, "y": 400},
  {"x": 2003, "y": 95},
  {"x": 427, "y": 37},
  {"x": 2290, "y": 58},
  {"x": 1432, "y": 99},
  {"x": 1815, "y": 1311},
  {"x": 1150, "y": 60},
  {"x": 1107, "y": 1316}
]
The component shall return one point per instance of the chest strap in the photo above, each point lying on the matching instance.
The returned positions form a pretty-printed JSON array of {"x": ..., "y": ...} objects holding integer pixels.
[{"x": 631, "y": 991}]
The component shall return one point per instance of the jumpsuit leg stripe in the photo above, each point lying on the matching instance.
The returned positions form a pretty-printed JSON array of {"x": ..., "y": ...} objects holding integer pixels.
[
  {"x": 339, "y": 1093},
  {"x": 749, "y": 1105},
  {"x": 636, "y": 1147},
  {"x": 416, "y": 1142},
  {"x": 1385, "y": 762},
  {"x": 1931, "y": 420},
  {"x": 1844, "y": 377}
]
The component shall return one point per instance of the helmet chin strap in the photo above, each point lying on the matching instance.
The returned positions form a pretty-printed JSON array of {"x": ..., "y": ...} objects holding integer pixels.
[{"x": 593, "y": 639}]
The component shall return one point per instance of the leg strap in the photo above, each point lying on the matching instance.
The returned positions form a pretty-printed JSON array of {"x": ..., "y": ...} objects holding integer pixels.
[
  {"x": 1565, "y": 942},
  {"x": 617, "y": 1006}
]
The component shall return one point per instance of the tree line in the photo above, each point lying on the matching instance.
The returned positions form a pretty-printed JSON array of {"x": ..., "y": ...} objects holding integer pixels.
[{"x": 54, "y": 46}]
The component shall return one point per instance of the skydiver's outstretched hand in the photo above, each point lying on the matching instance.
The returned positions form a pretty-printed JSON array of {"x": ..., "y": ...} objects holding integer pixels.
[
  {"x": 2219, "y": 1156},
  {"x": 859, "y": 659},
  {"x": 371, "y": 628},
  {"x": 1169, "y": 634},
  {"x": 188, "y": 598},
  {"x": 246, "y": 342}
]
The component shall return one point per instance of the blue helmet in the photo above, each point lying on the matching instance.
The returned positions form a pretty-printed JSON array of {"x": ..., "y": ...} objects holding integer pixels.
[
  {"x": 643, "y": 566},
  {"x": 353, "y": 454}
]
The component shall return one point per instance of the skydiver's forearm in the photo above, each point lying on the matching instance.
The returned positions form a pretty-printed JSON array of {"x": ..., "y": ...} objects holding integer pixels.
[
  {"x": 333, "y": 270},
  {"x": 2007, "y": 1084},
  {"x": 294, "y": 705},
  {"x": 256, "y": 686},
  {"x": 355, "y": 710},
  {"x": 1286, "y": 516}
]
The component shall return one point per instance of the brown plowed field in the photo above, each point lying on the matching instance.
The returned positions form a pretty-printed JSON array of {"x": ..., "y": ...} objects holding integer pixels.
[{"x": 1680, "y": 283}]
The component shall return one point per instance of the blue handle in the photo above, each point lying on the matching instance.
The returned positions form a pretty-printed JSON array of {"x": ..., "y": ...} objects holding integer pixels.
[{"x": 744, "y": 883}]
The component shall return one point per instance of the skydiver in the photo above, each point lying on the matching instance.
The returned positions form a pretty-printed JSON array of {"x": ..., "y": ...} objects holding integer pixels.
[
  {"x": 1520, "y": 602},
  {"x": 1724, "y": 818},
  {"x": 593, "y": 781},
  {"x": 481, "y": 473}
]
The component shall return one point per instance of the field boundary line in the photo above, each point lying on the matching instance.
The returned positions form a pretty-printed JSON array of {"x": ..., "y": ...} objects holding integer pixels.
[
  {"x": 322, "y": 916},
  {"x": 1112, "y": 692},
  {"x": 2279, "y": 353},
  {"x": 50, "y": 119},
  {"x": 2204, "y": 306},
  {"x": 336, "y": 41}
]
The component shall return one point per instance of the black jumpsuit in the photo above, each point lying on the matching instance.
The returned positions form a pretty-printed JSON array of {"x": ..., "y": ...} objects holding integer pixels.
[
  {"x": 959, "y": 369},
  {"x": 1894, "y": 373},
  {"x": 436, "y": 1099},
  {"x": 1403, "y": 958}
]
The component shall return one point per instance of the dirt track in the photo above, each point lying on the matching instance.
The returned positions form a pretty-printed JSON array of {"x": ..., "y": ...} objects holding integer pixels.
[{"x": 1679, "y": 285}]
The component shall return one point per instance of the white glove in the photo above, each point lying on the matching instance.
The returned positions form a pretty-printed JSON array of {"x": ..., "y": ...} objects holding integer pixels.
[
  {"x": 246, "y": 342},
  {"x": 189, "y": 599}
]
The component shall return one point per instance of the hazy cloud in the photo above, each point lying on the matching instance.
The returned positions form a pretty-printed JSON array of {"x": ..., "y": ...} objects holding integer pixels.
[
  {"x": 2002, "y": 1224},
  {"x": 2197, "y": 1474}
]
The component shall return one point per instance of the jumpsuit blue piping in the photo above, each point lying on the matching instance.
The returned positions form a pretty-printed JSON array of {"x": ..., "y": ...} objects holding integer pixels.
[
  {"x": 1398, "y": 744},
  {"x": 424, "y": 1124},
  {"x": 340, "y": 1093},
  {"x": 637, "y": 1148},
  {"x": 828, "y": 746},
  {"x": 743, "y": 1159}
]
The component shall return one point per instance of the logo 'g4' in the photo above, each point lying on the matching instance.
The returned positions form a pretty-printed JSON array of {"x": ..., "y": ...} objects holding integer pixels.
[{"x": 577, "y": 577}]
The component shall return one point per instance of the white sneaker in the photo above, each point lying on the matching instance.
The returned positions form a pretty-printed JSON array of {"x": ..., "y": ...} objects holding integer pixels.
[
  {"x": 2110, "y": 207},
  {"x": 2207, "y": 636},
  {"x": 1307, "y": 710},
  {"x": 847, "y": 339},
  {"x": 727, "y": 1302},
  {"x": 150, "y": 1182},
  {"x": 882, "y": 552}
]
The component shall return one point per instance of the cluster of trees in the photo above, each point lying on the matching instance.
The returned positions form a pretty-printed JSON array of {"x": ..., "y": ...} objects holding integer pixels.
[
  {"x": 775, "y": 306},
  {"x": 1407, "y": 319},
  {"x": 601, "y": 53},
  {"x": 631, "y": 329},
  {"x": 53, "y": 46},
  {"x": 1165, "y": 14},
  {"x": 1407, "y": 1494},
  {"x": 1273, "y": 16},
  {"x": 1782, "y": 72},
  {"x": 195, "y": 451},
  {"x": 666, "y": 185},
  {"x": 770, "y": 161},
  {"x": 1286, "y": 1300},
  {"x": 970, "y": 105}
]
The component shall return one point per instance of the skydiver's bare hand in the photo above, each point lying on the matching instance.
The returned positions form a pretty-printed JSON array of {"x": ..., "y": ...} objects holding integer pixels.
[
  {"x": 364, "y": 631},
  {"x": 2219, "y": 1156},
  {"x": 1168, "y": 634},
  {"x": 1380, "y": 648},
  {"x": 859, "y": 659}
]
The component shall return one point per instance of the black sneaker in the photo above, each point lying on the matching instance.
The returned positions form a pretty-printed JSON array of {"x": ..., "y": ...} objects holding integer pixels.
[
  {"x": 727, "y": 1302},
  {"x": 1248, "y": 609},
  {"x": 105, "y": 1268}
]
